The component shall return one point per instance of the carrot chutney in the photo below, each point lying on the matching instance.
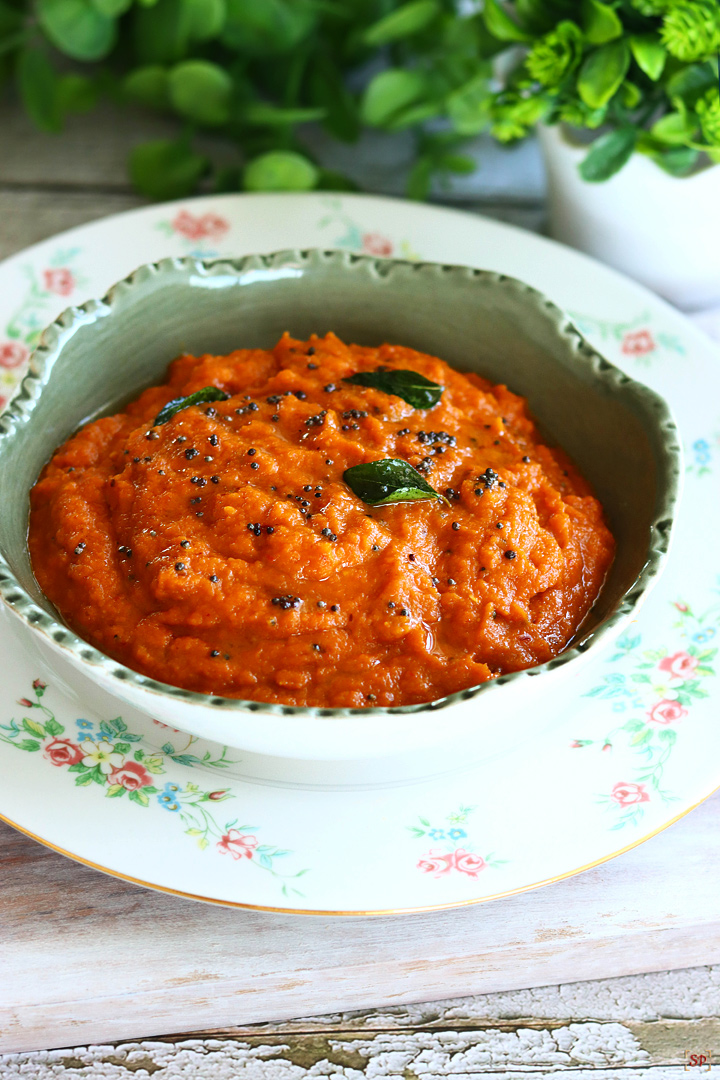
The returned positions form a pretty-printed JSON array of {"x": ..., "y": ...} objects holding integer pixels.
[{"x": 223, "y": 547}]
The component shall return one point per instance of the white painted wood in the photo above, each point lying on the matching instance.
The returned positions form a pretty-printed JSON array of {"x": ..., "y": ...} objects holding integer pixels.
[{"x": 92, "y": 958}]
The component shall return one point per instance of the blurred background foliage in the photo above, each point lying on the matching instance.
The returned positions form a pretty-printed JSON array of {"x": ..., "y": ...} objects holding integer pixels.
[{"x": 640, "y": 72}]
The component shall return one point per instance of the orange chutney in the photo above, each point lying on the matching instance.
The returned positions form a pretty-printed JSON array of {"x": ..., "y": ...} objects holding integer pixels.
[{"x": 223, "y": 552}]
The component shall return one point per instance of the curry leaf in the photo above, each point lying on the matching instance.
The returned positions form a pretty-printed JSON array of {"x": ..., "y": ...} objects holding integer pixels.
[
  {"x": 412, "y": 387},
  {"x": 208, "y": 393},
  {"x": 388, "y": 481}
]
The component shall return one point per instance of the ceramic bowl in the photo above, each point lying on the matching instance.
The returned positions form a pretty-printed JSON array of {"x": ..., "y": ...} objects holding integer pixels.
[{"x": 95, "y": 357}]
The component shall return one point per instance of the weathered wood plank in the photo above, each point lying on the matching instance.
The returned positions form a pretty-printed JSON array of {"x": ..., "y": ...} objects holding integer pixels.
[
  {"x": 90, "y": 154},
  {"x": 601, "y": 1050},
  {"x": 27, "y": 216},
  {"x": 177, "y": 966}
]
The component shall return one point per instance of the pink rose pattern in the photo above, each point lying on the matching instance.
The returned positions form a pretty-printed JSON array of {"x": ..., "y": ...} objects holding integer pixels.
[
  {"x": 638, "y": 343},
  {"x": 438, "y": 862},
  {"x": 660, "y": 693},
  {"x": 376, "y": 244},
  {"x": 59, "y": 280},
  {"x": 134, "y": 774},
  {"x": 62, "y": 752},
  {"x": 203, "y": 227},
  {"x": 13, "y": 354},
  {"x": 666, "y": 712},
  {"x": 238, "y": 845},
  {"x": 629, "y": 794},
  {"x": 50, "y": 288},
  {"x": 680, "y": 665}
]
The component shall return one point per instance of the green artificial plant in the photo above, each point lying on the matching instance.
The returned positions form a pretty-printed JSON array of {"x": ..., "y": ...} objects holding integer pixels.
[
  {"x": 253, "y": 72},
  {"x": 640, "y": 73}
]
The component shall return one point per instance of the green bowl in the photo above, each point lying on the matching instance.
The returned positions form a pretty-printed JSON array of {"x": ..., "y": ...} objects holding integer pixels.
[{"x": 95, "y": 357}]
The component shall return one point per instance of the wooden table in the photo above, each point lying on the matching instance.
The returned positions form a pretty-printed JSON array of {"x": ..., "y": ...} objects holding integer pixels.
[{"x": 88, "y": 959}]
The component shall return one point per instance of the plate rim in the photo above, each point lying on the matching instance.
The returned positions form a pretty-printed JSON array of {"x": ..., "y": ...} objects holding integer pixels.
[{"x": 703, "y": 342}]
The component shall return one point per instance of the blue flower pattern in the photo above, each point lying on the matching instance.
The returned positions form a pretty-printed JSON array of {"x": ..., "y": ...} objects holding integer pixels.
[{"x": 167, "y": 799}]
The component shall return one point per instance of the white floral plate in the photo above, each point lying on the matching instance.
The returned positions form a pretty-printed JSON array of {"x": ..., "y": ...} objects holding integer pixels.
[{"x": 633, "y": 742}]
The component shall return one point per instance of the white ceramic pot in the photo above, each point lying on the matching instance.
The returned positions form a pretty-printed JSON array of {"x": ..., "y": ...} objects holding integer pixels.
[{"x": 662, "y": 230}]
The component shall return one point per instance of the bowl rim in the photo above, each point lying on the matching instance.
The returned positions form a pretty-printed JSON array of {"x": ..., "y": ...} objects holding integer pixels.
[{"x": 56, "y": 334}]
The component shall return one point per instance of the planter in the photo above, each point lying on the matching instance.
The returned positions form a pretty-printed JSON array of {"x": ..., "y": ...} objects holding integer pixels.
[{"x": 662, "y": 230}]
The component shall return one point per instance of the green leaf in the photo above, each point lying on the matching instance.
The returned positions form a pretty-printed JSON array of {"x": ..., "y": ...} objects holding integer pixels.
[
  {"x": 334, "y": 181},
  {"x": 677, "y": 161},
  {"x": 420, "y": 179},
  {"x": 458, "y": 163},
  {"x": 600, "y": 22},
  {"x": 264, "y": 114},
  {"x": 53, "y": 727},
  {"x": 27, "y": 744},
  {"x": 138, "y": 797},
  {"x": 11, "y": 20},
  {"x": 501, "y": 25},
  {"x": 327, "y": 89},
  {"x": 201, "y": 91},
  {"x": 34, "y": 728},
  {"x": 608, "y": 154},
  {"x": 412, "y": 387},
  {"x": 537, "y": 15},
  {"x": 77, "y": 28},
  {"x": 389, "y": 93},
  {"x": 267, "y": 27},
  {"x": 650, "y": 55},
  {"x": 673, "y": 128},
  {"x": 602, "y": 73},
  {"x": 691, "y": 82},
  {"x": 76, "y": 93},
  {"x": 416, "y": 114},
  {"x": 205, "y": 19},
  {"x": 164, "y": 169},
  {"x": 388, "y": 481},
  {"x": 280, "y": 170},
  {"x": 402, "y": 23},
  {"x": 164, "y": 31},
  {"x": 122, "y": 747},
  {"x": 468, "y": 106},
  {"x": 38, "y": 87},
  {"x": 208, "y": 393},
  {"x": 114, "y": 791},
  {"x": 630, "y": 95},
  {"x": 84, "y": 778},
  {"x": 149, "y": 86},
  {"x": 112, "y": 8}
]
